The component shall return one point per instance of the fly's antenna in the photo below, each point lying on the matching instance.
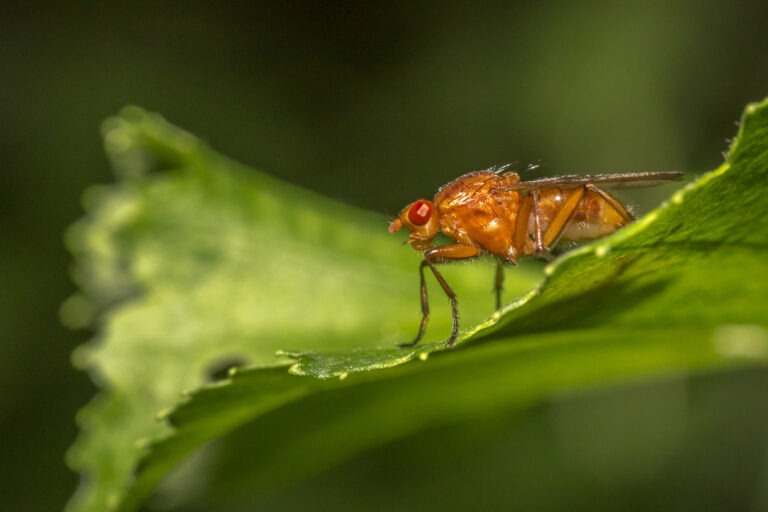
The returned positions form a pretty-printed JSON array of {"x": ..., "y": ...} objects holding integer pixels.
[{"x": 387, "y": 217}]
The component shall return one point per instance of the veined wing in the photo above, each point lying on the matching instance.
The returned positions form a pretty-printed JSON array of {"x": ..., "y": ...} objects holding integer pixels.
[{"x": 627, "y": 180}]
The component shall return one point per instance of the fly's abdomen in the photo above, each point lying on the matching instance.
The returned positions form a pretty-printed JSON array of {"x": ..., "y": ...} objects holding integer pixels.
[{"x": 593, "y": 217}]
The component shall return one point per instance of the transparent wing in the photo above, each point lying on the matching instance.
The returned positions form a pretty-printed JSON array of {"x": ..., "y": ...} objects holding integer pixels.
[{"x": 627, "y": 180}]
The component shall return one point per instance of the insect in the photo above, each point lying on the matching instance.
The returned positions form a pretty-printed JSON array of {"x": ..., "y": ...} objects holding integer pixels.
[{"x": 494, "y": 212}]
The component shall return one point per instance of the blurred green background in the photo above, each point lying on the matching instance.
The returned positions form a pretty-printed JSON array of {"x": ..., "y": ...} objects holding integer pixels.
[{"x": 372, "y": 103}]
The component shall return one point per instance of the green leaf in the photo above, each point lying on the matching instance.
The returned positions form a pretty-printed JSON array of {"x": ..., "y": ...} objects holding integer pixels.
[
  {"x": 191, "y": 263},
  {"x": 683, "y": 289}
]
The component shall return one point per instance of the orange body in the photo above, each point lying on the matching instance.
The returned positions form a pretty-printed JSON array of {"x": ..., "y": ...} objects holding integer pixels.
[
  {"x": 483, "y": 209},
  {"x": 473, "y": 210},
  {"x": 493, "y": 211}
]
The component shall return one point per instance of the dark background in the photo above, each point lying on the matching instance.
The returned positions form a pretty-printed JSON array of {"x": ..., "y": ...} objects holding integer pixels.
[{"x": 373, "y": 103}]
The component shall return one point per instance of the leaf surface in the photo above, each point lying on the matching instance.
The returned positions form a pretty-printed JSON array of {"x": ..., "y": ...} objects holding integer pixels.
[
  {"x": 683, "y": 289},
  {"x": 191, "y": 263}
]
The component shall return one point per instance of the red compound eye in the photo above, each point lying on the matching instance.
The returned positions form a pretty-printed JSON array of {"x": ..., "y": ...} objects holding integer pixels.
[{"x": 420, "y": 212}]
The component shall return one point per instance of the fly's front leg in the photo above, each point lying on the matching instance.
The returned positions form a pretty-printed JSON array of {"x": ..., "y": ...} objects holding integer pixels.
[
  {"x": 424, "y": 308},
  {"x": 432, "y": 257}
]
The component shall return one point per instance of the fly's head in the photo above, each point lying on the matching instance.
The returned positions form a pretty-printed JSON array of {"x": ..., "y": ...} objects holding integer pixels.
[{"x": 421, "y": 218}]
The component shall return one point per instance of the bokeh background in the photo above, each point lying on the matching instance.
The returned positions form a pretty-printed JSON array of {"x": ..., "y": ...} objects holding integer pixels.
[{"x": 373, "y": 103}]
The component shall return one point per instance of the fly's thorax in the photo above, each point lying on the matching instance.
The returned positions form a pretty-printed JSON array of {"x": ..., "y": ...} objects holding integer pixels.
[
  {"x": 474, "y": 185},
  {"x": 480, "y": 209}
]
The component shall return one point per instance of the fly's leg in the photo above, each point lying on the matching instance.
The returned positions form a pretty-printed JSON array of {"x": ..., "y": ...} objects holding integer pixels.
[
  {"x": 561, "y": 218},
  {"x": 529, "y": 209},
  {"x": 424, "y": 308},
  {"x": 564, "y": 214},
  {"x": 538, "y": 238},
  {"x": 521, "y": 224},
  {"x": 437, "y": 255},
  {"x": 543, "y": 241}
]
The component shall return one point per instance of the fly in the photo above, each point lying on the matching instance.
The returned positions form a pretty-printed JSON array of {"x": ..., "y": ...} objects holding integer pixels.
[{"x": 494, "y": 212}]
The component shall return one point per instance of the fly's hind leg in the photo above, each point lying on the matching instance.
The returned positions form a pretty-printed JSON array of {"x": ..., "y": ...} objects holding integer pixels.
[
  {"x": 543, "y": 241},
  {"x": 561, "y": 218},
  {"x": 432, "y": 257}
]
